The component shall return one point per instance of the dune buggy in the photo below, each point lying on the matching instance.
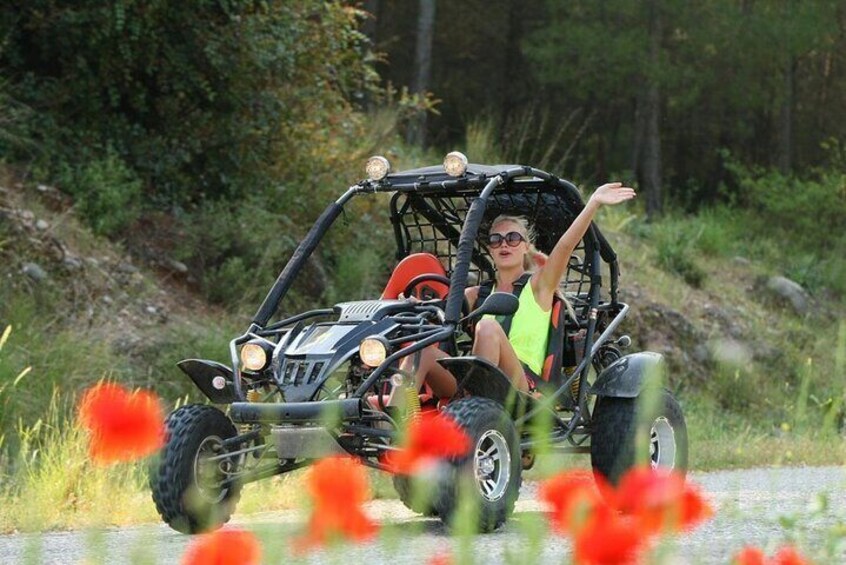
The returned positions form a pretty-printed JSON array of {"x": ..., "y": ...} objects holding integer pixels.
[{"x": 314, "y": 384}]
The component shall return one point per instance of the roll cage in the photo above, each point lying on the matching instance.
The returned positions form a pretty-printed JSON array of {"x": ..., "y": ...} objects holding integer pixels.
[{"x": 444, "y": 215}]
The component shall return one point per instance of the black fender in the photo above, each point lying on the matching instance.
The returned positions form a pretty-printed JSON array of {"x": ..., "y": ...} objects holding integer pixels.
[
  {"x": 480, "y": 377},
  {"x": 203, "y": 372},
  {"x": 629, "y": 375}
]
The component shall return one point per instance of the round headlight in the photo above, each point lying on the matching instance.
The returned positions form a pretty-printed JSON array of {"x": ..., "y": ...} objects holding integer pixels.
[
  {"x": 372, "y": 351},
  {"x": 254, "y": 356},
  {"x": 377, "y": 168},
  {"x": 455, "y": 164}
]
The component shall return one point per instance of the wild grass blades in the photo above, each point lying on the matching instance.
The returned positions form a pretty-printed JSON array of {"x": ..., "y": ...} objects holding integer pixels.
[
  {"x": 533, "y": 136},
  {"x": 53, "y": 483},
  {"x": 6, "y": 333},
  {"x": 833, "y": 423},
  {"x": 800, "y": 417},
  {"x": 4, "y": 383}
]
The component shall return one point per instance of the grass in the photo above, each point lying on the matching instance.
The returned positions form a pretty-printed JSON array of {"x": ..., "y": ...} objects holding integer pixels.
[
  {"x": 773, "y": 409},
  {"x": 725, "y": 440}
]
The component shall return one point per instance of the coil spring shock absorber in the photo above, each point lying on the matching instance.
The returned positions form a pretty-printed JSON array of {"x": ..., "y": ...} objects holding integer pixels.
[{"x": 410, "y": 395}]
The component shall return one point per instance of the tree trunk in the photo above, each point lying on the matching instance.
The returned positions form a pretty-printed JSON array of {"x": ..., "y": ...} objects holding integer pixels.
[
  {"x": 647, "y": 124},
  {"x": 370, "y": 25},
  {"x": 416, "y": 134},
  {"x": 510, "y": 76},
  {"x": 785, "y": 146}
]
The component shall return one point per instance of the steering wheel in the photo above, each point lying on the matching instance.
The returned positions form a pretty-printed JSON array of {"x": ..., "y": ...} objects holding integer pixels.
[
  {"x": 420, "y": 279},
  {"x": 412, "y": 285}
]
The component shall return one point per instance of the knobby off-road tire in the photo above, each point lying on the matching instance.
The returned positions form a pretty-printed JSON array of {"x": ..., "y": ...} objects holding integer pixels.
[
  {"x": 490, "y": 472},
  {"x": 183, "y": 488},
  {"x": 616, "y": 424},
  {"x": 414, "y": 501}
]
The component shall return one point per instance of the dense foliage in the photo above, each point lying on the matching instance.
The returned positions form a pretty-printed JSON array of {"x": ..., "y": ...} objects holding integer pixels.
[
  {"x": 198, "y": 98},
  {"x": 763, "y": 80}
]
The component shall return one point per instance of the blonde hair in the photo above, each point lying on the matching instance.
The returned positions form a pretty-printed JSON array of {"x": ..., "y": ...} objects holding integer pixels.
[{"x": 534, "y": 258}]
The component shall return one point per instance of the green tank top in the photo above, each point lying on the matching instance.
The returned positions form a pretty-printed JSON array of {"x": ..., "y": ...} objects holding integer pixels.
[{"x": 529, "y": 330}]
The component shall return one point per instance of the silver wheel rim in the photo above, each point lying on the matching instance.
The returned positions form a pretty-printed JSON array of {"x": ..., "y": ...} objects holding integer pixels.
[
  {"x": 662, "y": 444},
  {"x": 492, "y": 464},
  {"x": 208, "y": 474}
]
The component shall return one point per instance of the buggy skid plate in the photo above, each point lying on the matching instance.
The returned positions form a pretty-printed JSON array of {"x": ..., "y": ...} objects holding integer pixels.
[
  {"x": 324, "y": 411},
  {"x": 304, "y": 442}
]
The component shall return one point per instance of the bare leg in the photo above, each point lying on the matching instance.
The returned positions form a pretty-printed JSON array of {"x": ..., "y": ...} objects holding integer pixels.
[
  {"x": 492, "y": 344},
  {"x": 439, "y": 379}
]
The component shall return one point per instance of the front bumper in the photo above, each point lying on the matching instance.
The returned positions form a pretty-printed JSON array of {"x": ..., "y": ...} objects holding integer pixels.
[{"x": 318, "y": 412}]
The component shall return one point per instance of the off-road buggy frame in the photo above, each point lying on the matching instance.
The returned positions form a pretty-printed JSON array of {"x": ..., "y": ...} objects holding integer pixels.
[{"x": 311, "y": 395}]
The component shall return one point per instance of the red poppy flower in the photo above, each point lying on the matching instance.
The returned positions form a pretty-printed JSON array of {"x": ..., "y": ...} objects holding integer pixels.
[
  {"x": 694, "y": 508},
  {"x": 608, "y": 537},
  {"x": 223, "y": 547},
  {"x": 749, "y": 556},
  {"x": 788, "y": 556},
  {"x": 440, "y": 559},
  {"x": 338, "y": 487},
  {"x": 661, "y": 500},
  {"x": 573, "y": 497},
  {"x": 430, "y": 437},
  {"x": 123, "y": 425}
]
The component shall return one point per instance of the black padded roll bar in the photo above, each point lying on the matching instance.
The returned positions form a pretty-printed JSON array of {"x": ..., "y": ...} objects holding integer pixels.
[
  {"x": 297, "y": 261},
  {"x": 458, "y": 280}
]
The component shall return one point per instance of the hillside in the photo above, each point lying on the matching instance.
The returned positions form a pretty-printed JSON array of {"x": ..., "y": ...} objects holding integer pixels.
[{"x": 83, "y": 308}]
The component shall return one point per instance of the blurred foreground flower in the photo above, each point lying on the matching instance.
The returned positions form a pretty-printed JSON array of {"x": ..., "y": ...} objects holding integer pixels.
[
  {"x": 338, "y": 486},
  {"x": 608, "y": 538},
  {"x": 441, "y": 559},
  {"x": 573, "y": 496},
  {"x": 224, "y": 547},
  {"x": 615, "y": 526},
  {"x": 749, "y": 556},
  {"x": 430, "y": 437},
  {"x": 787, "y": 555},
  {"x": 661, "y": 500},
  {"x": 123, "y": 425}
]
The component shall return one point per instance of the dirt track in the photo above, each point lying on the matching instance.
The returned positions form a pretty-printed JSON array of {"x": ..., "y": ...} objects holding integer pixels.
[{"x": 750, "y": 507}]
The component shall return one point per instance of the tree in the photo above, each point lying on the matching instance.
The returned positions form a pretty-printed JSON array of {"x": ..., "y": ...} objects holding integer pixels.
[
  {"x": 422, "y": 67},
  {"x": 200, "y": 97}
]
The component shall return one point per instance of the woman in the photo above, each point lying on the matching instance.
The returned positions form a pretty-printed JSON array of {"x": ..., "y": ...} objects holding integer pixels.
[{"x": 520, "y": 354}]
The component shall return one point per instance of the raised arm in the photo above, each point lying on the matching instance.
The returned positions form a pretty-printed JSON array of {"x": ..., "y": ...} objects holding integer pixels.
[{"x": 550, "y": 274}]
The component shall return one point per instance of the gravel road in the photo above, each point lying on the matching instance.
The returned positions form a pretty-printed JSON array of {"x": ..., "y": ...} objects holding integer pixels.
[{"x": 753, "y": 506}]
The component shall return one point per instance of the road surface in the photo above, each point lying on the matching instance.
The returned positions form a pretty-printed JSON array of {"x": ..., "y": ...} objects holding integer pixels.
[{"x": 754, "y": 506}]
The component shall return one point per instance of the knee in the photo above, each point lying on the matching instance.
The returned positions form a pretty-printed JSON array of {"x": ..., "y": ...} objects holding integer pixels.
[{"x": 488, "y": 329}]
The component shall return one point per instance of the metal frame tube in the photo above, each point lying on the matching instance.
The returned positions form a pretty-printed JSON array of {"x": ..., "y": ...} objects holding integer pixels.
[
  {"x": 301, "y": 254},
  {"x": 414, "y": 347}
]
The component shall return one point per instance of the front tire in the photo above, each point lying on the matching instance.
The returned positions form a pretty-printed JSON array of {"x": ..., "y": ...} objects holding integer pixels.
[
  {"x": 413, "y": 496},
  {"x": 617, "y": 425},
  {"x": 184, "y": 483},
  {"x": 491, "y": 470}
]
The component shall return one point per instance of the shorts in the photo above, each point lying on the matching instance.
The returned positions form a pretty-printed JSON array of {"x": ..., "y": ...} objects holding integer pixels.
[{"x": 531, "y": 378}]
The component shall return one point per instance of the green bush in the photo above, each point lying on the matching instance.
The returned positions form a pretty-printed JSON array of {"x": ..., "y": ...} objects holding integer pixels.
[
  {"x": 806, "y": 212},
  {"x": 107, "y": 192},
  {"x": 202, "y": 98},
  {"x": 718, "y": 229},
  {"x": 238, "y": 251},
  {"x": 675, "y": 240}
]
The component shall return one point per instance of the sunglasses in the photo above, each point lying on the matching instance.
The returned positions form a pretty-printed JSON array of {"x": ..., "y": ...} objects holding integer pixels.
[{"x": 512, "y": 238}]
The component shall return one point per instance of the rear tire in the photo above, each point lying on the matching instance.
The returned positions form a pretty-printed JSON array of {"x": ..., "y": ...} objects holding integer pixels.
[
  {"x": 616, "y": 425},
  {"x": 185, "y": 488},
  {"x": 492, "y": 468}
]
